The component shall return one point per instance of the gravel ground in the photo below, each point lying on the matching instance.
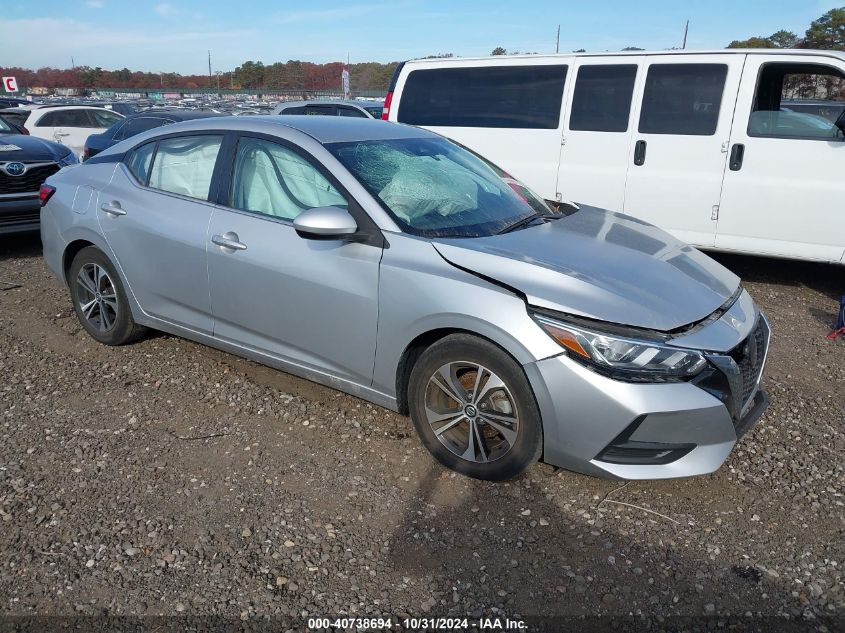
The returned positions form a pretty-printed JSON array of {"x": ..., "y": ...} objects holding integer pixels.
[{"x": 168, "y": 478}]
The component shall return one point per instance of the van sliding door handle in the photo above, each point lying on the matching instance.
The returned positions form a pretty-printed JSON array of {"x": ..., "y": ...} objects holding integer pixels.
[
  {"x": 639, "y": 153},
  {"x": 737, "y": 155}
]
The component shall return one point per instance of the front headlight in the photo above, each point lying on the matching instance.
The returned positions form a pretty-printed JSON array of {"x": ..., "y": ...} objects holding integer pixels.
[
  {"x": 622, "y": 357},
  {"x": 70, "y": 159}
]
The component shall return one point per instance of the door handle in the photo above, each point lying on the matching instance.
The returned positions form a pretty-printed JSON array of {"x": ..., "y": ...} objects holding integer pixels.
[
  {"x": 639, "y": 153},
  {"x": 113, "y": 208},
  {"x": 737, "y": 155},
  {"x": 229, "y": 240}
]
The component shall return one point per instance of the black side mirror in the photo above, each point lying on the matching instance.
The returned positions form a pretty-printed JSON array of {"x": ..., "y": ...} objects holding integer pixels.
[{"x": 840, "y": 122}]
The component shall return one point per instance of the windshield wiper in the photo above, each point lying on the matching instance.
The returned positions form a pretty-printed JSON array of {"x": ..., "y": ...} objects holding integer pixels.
[{"x": 526, "y": 221}]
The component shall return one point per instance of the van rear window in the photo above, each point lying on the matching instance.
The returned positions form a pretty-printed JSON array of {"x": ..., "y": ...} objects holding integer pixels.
[{"x": 522, "y": 97}]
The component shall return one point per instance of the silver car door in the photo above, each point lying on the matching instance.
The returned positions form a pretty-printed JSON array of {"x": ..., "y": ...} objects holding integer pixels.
[
  {"x": 311, "y": 303},
  {"x": 158, "y": 231}
]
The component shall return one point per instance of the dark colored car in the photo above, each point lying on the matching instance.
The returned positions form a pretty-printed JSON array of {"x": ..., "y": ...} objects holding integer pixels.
[
  {"x": 25, "y": 162},
  {"x": 13, "y": 127},
  {"x": 121, "y": 107},
  {"x": 137, "y": 123},
  {"x": 12, "y": 102},
  {"x": 326, "y": 107}
]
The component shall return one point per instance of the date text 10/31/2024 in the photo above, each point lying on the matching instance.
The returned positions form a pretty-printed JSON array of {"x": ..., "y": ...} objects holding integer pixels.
[{"x": 417, "y": 624}]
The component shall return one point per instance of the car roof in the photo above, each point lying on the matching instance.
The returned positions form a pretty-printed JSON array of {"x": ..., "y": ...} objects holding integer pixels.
[
  {"x": 175, "y": 115},
  {"x": 323, "y": 129},
  {"x": 457, "y": 61},
  {"x": 348, "y": 102},
  {"x": 62, "y": 106}
]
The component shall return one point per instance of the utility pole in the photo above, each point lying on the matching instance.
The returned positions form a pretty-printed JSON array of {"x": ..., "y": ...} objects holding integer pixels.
[
  {"x": 557, "y": 40},
  {"x": 686, "y": 31},
  {"x": 72, "y": 63},
  {"x": 209, "y": 69}
]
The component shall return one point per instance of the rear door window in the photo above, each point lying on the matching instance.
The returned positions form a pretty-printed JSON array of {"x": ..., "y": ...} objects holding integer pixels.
[
  {"x": 66, "y": 118},
  {"x": 602, "y": 98},
  {"x": 16, "y": 118},
  {"x": 103, "y": 118},
  {"x": 185, "y": 165},
  {"x": 352, "y": 112},
  {"x": 525, "y": 97},
  {"x": 682, "y": 99},
  {"x": 321, "y": 110}
]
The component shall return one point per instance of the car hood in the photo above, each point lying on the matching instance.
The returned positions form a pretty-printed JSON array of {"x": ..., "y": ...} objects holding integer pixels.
[
  {"x": 600, "y": 265},
  {"x": 31, "y": 148}
]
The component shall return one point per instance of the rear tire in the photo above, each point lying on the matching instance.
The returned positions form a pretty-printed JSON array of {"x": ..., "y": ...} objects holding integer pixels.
[
  {"x": 99, "y": 299},
  {"x": 474, "y": 409}
]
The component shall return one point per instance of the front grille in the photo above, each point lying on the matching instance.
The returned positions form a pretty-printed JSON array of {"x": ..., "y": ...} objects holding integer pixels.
[
  {"x": 749, "y": 357},
  {"x": 30, "y": 182}
]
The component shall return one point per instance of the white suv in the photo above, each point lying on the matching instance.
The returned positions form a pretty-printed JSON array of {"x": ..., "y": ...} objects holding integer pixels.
[{"x": 68, "y": 125}]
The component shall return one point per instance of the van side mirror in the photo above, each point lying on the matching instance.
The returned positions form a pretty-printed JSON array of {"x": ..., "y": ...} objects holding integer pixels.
[
  {"x": 325, "y": 223},
  {"x": 840, "y": 122}
]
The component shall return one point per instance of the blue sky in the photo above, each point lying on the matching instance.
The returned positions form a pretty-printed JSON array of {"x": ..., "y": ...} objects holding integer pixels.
[{"x": 174, "y": 36}]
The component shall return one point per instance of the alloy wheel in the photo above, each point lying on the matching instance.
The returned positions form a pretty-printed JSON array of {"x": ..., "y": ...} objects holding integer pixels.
[
  {"x": 471, "y": 411},
  {"x": 97, "y": 297}
]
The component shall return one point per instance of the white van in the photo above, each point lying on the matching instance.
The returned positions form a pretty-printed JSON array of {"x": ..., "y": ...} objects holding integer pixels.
[{"x": 733, "y": 150}]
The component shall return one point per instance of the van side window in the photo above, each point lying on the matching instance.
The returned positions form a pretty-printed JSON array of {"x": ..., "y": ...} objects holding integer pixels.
[
  {"x": 526, "y": 97},
  {"x": 682, "y": 99},
  {"x": 602, "y": 99},
  {"x": 796, "y": 100}
]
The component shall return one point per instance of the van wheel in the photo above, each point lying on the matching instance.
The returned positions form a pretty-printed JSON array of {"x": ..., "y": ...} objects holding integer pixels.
[
  {"x": 99, "y": 300},
  {"x": 474, "y": 410}
]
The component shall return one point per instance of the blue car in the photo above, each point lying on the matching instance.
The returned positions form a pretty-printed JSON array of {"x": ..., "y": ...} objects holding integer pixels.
[{"x": 137, "y": 123}]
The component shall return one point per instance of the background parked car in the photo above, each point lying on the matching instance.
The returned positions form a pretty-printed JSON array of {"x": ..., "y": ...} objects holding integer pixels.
[
  {"x": 12, "y": 102},
  {"x": 137, "y": 123},
  {"x": 68, "y": 125},
  {"x": 19, "y": 129},
  {"x": 25, "y": 162},
  {"x": 361, "y": 109}
]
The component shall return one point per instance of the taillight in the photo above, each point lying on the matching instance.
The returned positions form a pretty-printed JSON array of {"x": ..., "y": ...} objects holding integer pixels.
[
  {"x": 386, "y": 110},
  {"x": 45, "y": 193},
  {"x": 24, "y": 131},
  {"x": 86, "y": 153}
]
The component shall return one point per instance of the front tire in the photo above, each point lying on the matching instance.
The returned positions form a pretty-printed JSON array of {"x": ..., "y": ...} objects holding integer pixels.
[
  {"x": 474, "y": 410},
  {"x": 99, "y": 299}
]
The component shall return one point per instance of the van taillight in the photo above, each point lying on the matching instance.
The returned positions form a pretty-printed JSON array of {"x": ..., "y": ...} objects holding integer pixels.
[
  {"x": 386, "y": 110},
  {"x": 45, "y": 193}
]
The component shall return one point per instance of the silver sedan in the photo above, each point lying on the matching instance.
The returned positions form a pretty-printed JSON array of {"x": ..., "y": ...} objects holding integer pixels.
[{"x": 392, "y": 264}]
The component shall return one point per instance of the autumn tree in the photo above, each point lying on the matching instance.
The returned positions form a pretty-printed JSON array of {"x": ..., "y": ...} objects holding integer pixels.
[{"x": 828, "y": 32}]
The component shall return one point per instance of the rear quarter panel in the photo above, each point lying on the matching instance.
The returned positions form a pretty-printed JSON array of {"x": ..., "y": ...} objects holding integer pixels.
[{"x": 70, "y": 215}]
